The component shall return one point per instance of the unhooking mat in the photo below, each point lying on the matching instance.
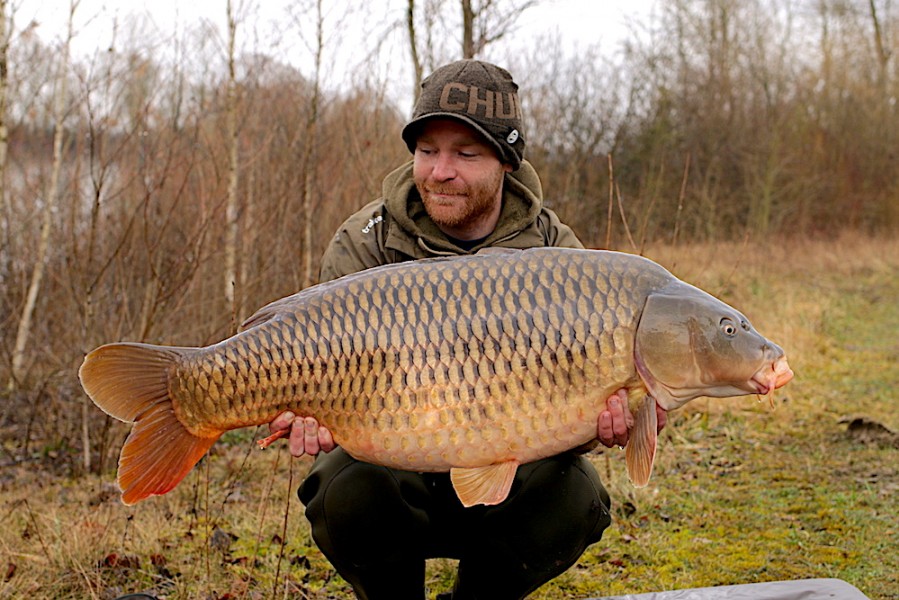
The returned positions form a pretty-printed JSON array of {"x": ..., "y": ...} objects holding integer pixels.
[{"x": 805, "y": 589}]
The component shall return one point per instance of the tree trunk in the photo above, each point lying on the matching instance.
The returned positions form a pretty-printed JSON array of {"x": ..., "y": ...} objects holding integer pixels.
[
  {"x": 883, "y": 55},
  {"x": 5, "y": 201},
  {"x": 308, "y": 168},
  {"x": 52, "y": 192},
  {"x": 413, "y": 50},
  {"x": 232, "y": 206},
  {"x": 467, "y": 29}
]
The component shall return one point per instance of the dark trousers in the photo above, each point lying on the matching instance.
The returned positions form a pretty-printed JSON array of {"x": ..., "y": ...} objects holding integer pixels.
[{"x": 378, "y": 525}]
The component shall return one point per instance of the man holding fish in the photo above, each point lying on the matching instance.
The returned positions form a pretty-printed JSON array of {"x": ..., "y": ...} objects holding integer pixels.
[
  {"x": 466, "y": 189},
  {"x": 447, "y": 401}
]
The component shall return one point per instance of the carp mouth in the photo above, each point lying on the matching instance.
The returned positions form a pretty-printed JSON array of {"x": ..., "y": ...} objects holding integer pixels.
[{"x": 771, "y": 376}]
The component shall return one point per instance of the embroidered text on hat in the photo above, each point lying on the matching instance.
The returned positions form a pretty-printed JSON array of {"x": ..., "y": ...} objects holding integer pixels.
[{"x": 496, "y": 105}]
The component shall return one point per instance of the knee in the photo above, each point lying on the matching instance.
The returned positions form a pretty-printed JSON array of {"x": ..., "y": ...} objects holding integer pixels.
[
  {"x": 560, "y": 501},
  {"x": 356, "y": 510}
]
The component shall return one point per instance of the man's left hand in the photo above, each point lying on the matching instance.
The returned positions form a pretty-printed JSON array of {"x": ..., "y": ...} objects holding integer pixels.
[{"x": 614, "y": 424}]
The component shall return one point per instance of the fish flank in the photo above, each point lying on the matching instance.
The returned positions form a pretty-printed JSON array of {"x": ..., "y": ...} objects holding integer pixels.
[{"x": 422, "y": 366}]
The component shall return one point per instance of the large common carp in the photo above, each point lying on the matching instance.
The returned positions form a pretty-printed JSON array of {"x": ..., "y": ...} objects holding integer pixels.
[{"x": 471, "y": 365}]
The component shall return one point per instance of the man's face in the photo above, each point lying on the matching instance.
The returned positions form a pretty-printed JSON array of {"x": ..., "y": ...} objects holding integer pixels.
[{"x": 459, "y": 178}]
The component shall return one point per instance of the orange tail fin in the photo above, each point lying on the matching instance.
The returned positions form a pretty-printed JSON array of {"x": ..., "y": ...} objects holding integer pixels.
[{"x": 131, "y": 383}]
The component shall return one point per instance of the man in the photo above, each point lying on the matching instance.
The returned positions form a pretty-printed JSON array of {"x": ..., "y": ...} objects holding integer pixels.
[{"x": 466, "y": 188}]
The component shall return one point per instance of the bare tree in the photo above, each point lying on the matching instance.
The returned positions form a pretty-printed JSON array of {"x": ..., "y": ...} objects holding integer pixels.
[
  {"x": 4, "y": 143},
  {"x": 232, "y": 206},
  {"x": 485, "y": 22},
  {"x": 883, "y": 54},
  {"x": 49, "y": 209},
  {"x": 413, "y": 50},
  {"x": 309, "y": 144}
]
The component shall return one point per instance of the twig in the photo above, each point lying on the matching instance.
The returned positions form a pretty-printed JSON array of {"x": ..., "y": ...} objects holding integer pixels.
[
  {"x": 284, "y": 527},
  {"x": 264, "y": 500},
  {"x": 627, "y": 229},
  {"x": 208, "y": 530},
  {"x": 611, "y": 202},
  {"x": 680, "y": 199},
  {"x": 235, "y": 477},
  {"x": 737, "y": 263},
  {"x": 37, "y": 531}
]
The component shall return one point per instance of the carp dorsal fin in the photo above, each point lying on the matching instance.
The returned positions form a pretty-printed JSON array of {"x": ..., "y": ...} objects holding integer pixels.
[
  {"x": 497, "y": 250},
  {"x": 641, "y": 447},
  {"x": 269, "y": 311},
  {"x": 487, "y": 485}
]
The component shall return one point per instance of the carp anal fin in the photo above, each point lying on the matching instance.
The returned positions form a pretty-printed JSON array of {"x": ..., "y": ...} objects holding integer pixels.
[
  {"x": 487, "y": 485},
  {"x": 131, "y": 383},
  {"x": 641, "y": 446}
]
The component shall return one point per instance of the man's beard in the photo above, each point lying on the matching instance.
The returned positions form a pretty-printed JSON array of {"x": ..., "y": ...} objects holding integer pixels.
[{"x": 479, "y": 201}]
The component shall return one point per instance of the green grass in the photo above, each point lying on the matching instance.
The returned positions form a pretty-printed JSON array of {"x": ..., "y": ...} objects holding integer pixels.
[{"x": 742, "y": 492}]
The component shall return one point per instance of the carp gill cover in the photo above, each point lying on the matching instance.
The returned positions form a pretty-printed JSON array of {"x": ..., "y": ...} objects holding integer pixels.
[{"x": 472, "y": 365}]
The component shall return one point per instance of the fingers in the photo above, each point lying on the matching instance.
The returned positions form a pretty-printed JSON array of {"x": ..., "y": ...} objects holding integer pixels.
[
  {"x": 325, "y": 439},
  {"x": 306, "y": 436},
  {"x": 615, "y": 422},
  {"x": 662, "y": 416},
  {"x": 282, "y": 421}
]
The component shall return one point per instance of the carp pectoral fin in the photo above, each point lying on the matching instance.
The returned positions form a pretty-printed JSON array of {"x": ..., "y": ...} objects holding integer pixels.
[
  {"x": 641, "y": 446},
  {"x": 484, "y": 485}
]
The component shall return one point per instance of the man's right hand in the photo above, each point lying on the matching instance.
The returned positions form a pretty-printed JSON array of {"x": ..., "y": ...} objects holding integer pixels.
[{"x": 306, "y": 435}]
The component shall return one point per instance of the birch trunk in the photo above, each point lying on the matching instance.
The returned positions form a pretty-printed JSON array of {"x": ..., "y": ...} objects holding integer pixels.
[
  {"x": 5, "y": 244},
  {"x": 232, "y": 206},
  {"x": 307, "y": 162},
  {"x": 51, "y": 195}
]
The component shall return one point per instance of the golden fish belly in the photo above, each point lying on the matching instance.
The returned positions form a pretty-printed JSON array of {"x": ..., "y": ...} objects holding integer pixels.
[{"x": 434, "y": 365}]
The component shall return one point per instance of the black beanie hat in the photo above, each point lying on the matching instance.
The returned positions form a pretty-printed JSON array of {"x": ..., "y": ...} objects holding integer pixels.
[{"x": 479, "y": 94}]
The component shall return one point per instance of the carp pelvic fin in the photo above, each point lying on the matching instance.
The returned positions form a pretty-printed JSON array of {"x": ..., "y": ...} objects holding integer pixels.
[
  {"x": 131, "y": 383},
  {"x": 484, "y": 485},
  {"x": 641, "y": 447}
]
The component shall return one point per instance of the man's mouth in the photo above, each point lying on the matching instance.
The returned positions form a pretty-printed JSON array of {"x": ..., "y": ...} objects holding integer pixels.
[{"x": 443, "y": 194}]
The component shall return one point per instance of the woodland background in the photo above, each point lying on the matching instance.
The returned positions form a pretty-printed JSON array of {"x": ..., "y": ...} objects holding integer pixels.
[{"x": 162, "y": 190}]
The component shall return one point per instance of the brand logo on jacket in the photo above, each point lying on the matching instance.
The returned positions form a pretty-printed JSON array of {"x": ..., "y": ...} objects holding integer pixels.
[{"x": 371, "y": 223}]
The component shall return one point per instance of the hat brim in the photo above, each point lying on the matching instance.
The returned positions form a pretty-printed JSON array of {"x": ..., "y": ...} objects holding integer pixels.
[{"x": 411, "y": 130}]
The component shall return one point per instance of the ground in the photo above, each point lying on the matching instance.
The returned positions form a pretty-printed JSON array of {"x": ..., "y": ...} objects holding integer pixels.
[{"x": 743, "y": 491}]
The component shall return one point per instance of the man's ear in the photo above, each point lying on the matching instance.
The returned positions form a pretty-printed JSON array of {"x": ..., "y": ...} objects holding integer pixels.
[{"x": 507, "y": 168}]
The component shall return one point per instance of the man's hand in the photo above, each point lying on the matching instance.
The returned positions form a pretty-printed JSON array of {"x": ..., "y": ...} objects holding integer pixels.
[
  {"x": 614, "y": 424},
  {"x": 306, "y": 435}
]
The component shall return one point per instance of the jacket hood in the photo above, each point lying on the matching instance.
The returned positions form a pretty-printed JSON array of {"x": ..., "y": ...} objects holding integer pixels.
[{"x": 522, "y": 202}]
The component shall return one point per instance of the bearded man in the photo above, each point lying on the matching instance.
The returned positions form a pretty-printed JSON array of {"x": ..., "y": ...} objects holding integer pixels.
[{"x": 467, "y": 187}]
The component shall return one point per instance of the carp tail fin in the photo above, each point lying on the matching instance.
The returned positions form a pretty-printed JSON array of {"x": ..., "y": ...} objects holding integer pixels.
[
  {"x": 641, "y": 447},
  {"x": 131, "y": 383}
]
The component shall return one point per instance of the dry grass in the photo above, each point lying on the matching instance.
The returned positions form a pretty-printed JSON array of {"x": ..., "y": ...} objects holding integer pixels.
[{"x": 742, "y": 492}]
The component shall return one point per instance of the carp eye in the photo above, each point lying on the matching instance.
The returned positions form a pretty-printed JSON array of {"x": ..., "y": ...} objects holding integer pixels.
[{"x": 728, "y": 327}]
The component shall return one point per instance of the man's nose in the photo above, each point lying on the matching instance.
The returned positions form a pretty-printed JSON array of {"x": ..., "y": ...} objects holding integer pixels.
[{"x": 444, "y": 167}]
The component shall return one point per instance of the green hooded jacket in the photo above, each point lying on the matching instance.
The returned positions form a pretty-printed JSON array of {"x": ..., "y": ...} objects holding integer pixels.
[{"x": 395, "y": 228}]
